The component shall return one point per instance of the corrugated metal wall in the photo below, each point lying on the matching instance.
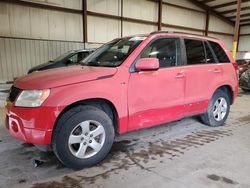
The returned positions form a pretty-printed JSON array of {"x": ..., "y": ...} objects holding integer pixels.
[
  {"x": 102, "y": 29},
  {"x": 244, "y": 43},
  {"x": 57, "y": 31},
  {"x": 217, "y": 25},
  {"x": 73, "y": 4},
  {"x": 18, "y": 55},
  {"x": 174, "y": 13},
  {"x": 36, "y": 23},
  {"x": 144, "y": 10}
]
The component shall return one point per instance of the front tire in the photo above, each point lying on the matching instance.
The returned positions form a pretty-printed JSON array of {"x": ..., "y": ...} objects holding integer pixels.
[
  {"x": 83, "y": 137},
  {"x": 218, "y": 109}
]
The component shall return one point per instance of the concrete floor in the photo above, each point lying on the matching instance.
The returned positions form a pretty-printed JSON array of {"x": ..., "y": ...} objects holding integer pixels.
[{"x": 179, "y": 154}]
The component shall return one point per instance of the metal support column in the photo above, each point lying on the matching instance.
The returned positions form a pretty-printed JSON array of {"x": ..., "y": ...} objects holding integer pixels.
[
  {"x": 159, "y": 15},
  {"x": 121, "y": 18},
  {"x": 207, "y": 22},
  {"x": 236, "y": 29},
  {"x": 84, "y": 21}
]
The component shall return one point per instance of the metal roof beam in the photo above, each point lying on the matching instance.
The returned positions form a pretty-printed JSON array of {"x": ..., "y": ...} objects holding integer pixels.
[
  {"x": 206, "y": 1},
  {"x": 245, "y": 24},
  {"x": 228, "y": 4},
  {"x": 212, "y": 11},
  {"x": 234, "y": 10},
  {"x": 245, "y": 20},
  {"x": 242, "y": 16}
]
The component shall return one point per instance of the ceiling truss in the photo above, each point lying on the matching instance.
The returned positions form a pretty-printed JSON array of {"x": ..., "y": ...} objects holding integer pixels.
[{"x": 226, "y": 9}]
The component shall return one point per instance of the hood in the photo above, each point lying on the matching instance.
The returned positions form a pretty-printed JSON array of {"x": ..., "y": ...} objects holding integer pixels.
[{"x": 62, "y": 76}]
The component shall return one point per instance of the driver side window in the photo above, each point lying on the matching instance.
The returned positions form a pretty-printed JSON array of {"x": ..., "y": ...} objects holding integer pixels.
[
  {"x": 74, "y": 58},
  {"x": 167, "y": 50}
]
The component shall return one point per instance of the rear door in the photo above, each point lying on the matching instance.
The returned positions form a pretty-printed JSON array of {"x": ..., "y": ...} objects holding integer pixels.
[
  {"x": 202, "y": 72},
  {"x": 228, "y": 68}
]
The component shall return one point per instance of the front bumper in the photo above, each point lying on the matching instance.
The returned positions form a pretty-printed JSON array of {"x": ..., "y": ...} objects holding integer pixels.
[{"x": 31, "y": 125}]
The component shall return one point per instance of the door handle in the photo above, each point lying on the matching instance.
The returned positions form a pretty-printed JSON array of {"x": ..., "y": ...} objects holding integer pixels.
[
  {"x": 180, "y": 75},
  {"x": 214, "y": 70},
  {"x": 217, "y": 71}
]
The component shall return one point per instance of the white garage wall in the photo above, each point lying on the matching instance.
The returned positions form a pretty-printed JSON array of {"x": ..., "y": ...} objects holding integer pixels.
[
  {"x": 93, "y": 45},
  {"x": 74, "y": 4},
  {"x": 182, "y": 30},
  {"x": 140, "y": 9},
  {"x": 18, "y": 55},
  {"x": 101, "y": 30},
  {"x": 183, "y": 3},
  {"x": 57, "y": 31},
  {"x": 28, "y": 22},
  {"x": 245, "y": 30},
  {"x": 136, "y": 28},
  {"x": 216, "y": 24},
  {"x": 111, "y": 7},
  {"x": 187, "y": 18},
  {"x": 244, "y": 43},
  {"x": 228, "y": 40}
]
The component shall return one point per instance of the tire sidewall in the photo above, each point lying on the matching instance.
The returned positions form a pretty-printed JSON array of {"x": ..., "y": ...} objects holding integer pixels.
[
  {"x": 61, "y": 140},
  {"x": 213, "y": 121}
]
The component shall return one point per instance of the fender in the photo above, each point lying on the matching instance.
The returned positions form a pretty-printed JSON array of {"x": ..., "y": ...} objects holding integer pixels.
[
  {"x": 113, "y": 89},
  {"x": 234, "y": 89}
]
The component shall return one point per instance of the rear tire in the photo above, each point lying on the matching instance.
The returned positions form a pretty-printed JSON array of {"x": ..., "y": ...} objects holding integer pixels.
[
  {"x": 83, "y": 137},
  {"x": 218, "y": 109}
]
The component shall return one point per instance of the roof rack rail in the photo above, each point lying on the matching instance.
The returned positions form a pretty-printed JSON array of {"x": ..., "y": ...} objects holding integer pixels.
[{"x": 156, "y": 32}]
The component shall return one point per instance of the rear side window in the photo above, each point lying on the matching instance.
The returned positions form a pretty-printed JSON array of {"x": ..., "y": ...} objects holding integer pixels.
[
  {"x": 219, "y": 52},
  {"x": 167, "y": 50},
  {"x": 73, "y": 58},
  {"x": 195, "y": 52},
  {"x": 209, "y": 54}
]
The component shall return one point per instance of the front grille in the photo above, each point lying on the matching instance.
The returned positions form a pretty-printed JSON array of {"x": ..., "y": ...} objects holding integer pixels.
[{"x": 14, "y": 92}]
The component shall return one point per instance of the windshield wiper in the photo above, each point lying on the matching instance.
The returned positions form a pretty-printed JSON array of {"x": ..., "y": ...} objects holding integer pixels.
[{"x": 96, "y": 64}]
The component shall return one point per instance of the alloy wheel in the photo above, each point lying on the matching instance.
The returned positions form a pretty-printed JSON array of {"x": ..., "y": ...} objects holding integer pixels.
[
  {"x": 220, "y": 109},
  {"x": 86, "y": 139}
]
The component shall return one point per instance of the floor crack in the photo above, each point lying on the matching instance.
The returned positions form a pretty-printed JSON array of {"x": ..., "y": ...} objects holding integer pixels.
[{"x": 152, "y": 171}]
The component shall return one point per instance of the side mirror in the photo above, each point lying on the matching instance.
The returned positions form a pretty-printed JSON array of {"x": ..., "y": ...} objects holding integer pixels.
[{"x": 147, "y": 64}]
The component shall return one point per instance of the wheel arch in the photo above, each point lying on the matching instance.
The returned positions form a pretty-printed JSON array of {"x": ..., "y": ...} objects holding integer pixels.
[
  {"x": 103, "y": 104},
  {"x": 228, "y": 89}
]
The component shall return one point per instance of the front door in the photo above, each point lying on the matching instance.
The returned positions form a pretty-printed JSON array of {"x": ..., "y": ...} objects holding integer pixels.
[{"x": 155, "y": 97}]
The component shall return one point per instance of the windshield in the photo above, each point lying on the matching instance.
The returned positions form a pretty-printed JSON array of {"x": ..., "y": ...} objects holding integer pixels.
[
  {"x": 61, "y": 57},
  {"x": 113, "y": 53}
]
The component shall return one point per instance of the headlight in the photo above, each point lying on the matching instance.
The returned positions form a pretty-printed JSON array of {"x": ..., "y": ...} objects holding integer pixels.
[{"x": 32, "y": 98}]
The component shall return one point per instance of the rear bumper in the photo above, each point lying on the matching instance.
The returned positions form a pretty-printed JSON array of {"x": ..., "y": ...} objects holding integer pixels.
[{"x": 31, "y": 125}]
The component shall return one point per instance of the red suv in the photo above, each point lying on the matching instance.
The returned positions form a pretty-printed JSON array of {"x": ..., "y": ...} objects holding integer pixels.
[{"x": 127, "y": 84}]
